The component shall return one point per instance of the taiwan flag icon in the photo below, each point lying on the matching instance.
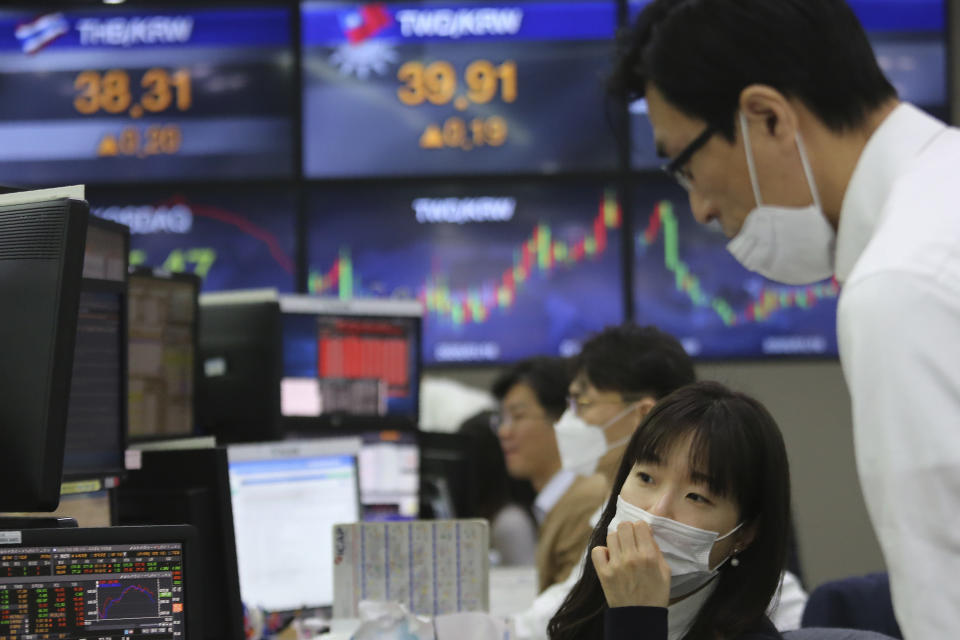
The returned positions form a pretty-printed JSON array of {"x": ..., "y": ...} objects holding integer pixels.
[
  {"x": 38, "y": 33},
  {"x": 365, "y": 22}
]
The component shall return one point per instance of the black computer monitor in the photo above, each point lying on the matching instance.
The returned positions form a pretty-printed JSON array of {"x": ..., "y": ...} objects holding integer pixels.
[
  {"x": 97, "y": 410},
  {"x": 192, "y": 487},
  {"x": 447, "y": 475},
  {"x": 239, "y": 389},
  {"x": 41, "y": 255},
  {"x": 162, "y": 363},
  {"x": 118, "y": 582},
  {"x": 286, "y": 498}
]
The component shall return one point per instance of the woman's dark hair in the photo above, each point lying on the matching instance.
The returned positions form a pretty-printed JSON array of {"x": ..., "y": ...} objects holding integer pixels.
[
  {"x": 494, "y": 488},
  {"x": 735, "y": 440},
  {"x": 548, "y": 377},
  {"x": 701, "y": 54}
]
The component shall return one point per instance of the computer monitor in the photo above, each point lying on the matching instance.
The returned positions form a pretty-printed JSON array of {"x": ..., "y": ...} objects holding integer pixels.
[
  {"x": 345, "y": 360},
  {"x": 97, "y": 414},
  {"x": 277, "y": 362},
  {"x": 192, "y": 487},
  {"x": 117, "y": 582},
  {"x": 286, "y": 498},
  {"x": 390, "y": 475},
  {"x": 447, "y": 475},
  {"x": 41, "y": 257},
  {"x": 239, "y": 389},
  {"x": 162, "y": 364},
  {"x": 389, "y": 468}
]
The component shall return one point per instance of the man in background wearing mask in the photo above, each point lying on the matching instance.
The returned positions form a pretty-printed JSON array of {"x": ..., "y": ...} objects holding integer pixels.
[
  {"x": 619, "y": 375},
  {"x": 778, "y": 120},
  {"x": 533, "y": 396}
]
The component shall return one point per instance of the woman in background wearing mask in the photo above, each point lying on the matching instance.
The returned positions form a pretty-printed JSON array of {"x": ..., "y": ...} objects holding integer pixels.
[{"x": 694, "y": 538}]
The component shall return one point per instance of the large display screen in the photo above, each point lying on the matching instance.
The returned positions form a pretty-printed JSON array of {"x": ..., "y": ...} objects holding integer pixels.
[
  {"x": 456, "y": 88},
  {"x": 233, "y": 238},
  {"x": 910, "y": 41},
  {"x": 504, "y": 272},
  {"x": 688, "y": 284},
  {"x": 123, "y": 95}
]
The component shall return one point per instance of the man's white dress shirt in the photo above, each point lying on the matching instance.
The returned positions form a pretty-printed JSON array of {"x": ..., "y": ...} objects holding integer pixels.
[{"x": 898, "y": 324}]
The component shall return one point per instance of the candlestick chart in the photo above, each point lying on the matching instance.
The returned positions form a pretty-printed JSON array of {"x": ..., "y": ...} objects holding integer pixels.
[
  {"x": 535, "y": 282},
  {"x": 687, "y": 283}
]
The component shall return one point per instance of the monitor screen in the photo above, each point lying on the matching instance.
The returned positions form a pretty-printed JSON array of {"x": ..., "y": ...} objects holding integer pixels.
[
  {"x": 441, "y": 88},
  {"x": 95, "y": 421},
  {"x": 909, "y": 38},
  {"x": 487, "y": 263},
  {"x": 286, "y": 498},
  {"x": 162, "y": 360},
  {"x": 390, "y": 475},
  {"x": 128, "y": 95},
  {"x": 358, "y": 358},
  {"x": 389, "y": 467},
  {"x": 121, "y": 582},
  {"x": 688, "y": 284},
  {"x": 237, "y": 238}
]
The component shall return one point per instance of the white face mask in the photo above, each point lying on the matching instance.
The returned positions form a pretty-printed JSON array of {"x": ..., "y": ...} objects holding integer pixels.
[
  {"x": 581, "y": 444},
  {"x": 793, "y": 245},
  {"x": 686, "y": 549}
]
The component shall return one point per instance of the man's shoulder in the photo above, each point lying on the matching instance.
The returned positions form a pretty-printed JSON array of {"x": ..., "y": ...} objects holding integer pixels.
[
  {"x": 593, "y": 488},
  {"x": 579, "y": 501},
  {"x": 919, "y": 231}
]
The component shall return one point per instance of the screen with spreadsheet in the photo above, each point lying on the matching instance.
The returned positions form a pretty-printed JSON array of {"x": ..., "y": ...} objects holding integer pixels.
[
  {"x": 348, "y": 363},
  {"x": 162, "y": 355},
  {"x": 286, "y": 498},
  {"x": 95, "y": 422},
  {"x": 106, "y": 588}
]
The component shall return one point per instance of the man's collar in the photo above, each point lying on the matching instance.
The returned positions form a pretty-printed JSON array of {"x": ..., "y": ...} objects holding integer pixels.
[
  {"x": 551, "y": 493},
  {"x": 895, "y": 143}
]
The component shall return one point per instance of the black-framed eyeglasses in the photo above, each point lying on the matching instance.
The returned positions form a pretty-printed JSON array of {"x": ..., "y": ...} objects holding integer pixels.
[{"x": 677, "y": 168}]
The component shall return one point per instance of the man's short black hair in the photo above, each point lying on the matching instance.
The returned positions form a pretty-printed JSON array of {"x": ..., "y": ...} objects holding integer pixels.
[
  {"x": 635, "y": 361},
  {"x": 701, "y": 54},
  {"x": 548, "y": 377}
]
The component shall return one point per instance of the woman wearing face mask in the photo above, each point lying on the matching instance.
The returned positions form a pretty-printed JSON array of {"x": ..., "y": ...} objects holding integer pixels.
[{"x": 694, "y": 537}]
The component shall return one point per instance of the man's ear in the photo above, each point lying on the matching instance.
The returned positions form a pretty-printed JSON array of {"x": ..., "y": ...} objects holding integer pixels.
[
  {"x": 644, "y": 405},
  {"x": 765, "y": 106}
]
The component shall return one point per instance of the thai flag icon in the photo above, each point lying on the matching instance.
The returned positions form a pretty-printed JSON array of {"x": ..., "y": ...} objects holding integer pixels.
[
  {"x": 365, "y": 22},
  {"x": 43, "y": 30}
]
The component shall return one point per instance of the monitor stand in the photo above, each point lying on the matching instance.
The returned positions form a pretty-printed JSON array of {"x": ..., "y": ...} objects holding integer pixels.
[{"x": 36, "y": 522}]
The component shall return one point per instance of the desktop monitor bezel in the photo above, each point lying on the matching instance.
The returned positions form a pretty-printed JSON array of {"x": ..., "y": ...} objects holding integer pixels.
[{"x": 193, "y": 579}]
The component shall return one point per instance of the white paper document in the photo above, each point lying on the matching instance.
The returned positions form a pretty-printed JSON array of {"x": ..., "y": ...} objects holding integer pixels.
[{"x": 432, "y": 567}]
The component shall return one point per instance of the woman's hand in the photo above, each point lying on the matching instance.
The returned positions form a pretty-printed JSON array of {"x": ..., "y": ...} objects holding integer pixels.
[{"x": 631, "y": 569}]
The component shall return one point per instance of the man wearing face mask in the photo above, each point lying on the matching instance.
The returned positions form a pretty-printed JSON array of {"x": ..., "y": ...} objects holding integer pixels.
[
  {"x": 620, "y": 374},
  {"x": 779, "y": 122}
]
